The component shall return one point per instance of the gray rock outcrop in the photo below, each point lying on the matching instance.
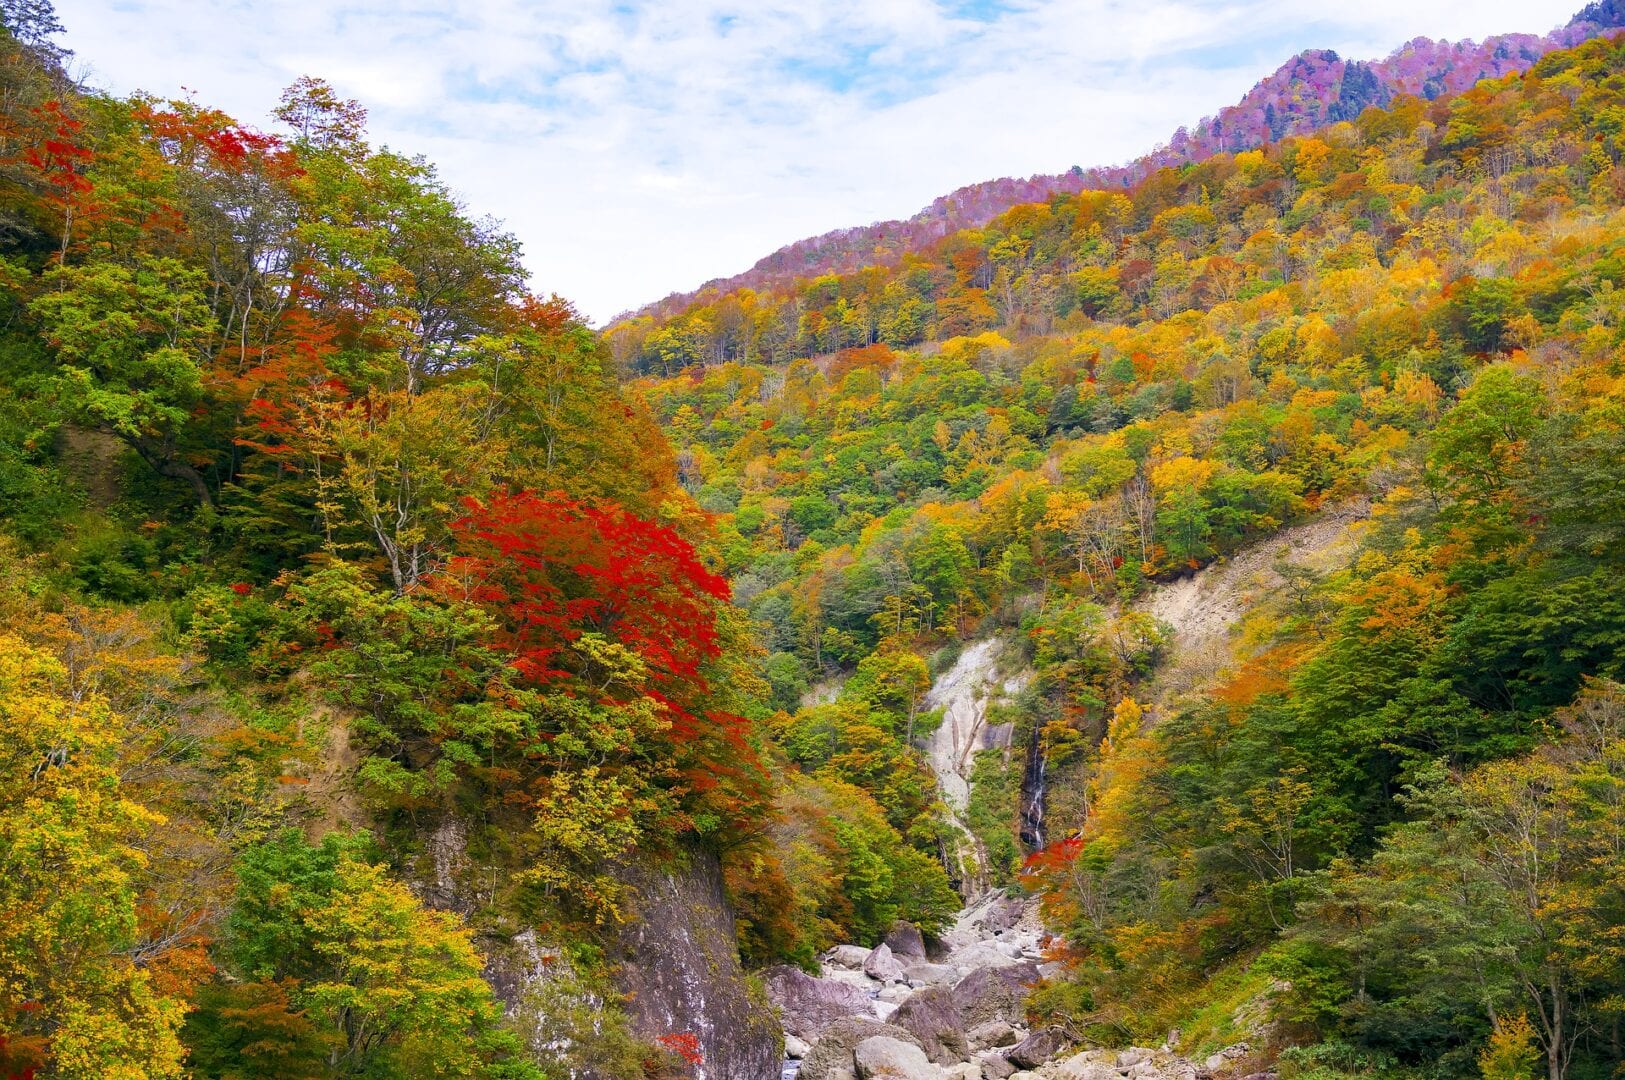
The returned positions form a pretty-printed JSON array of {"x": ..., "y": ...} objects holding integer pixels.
[
  {"x": 934, "y": 1018},
  {"x": 807, "y": 1006},
  {"x": 677, "y": 961}
]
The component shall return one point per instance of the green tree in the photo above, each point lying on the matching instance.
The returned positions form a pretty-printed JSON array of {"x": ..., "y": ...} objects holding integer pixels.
[
  {"x": 128, "y": 341},
  {"x": 397, "y": 985}
]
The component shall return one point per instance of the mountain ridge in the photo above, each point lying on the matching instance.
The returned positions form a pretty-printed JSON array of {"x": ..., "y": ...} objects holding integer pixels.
[{"x": 1308, "y": 90}]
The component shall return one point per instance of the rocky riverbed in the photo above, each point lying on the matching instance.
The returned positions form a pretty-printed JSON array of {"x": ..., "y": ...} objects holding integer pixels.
[{"x": 953, "y": 1009}]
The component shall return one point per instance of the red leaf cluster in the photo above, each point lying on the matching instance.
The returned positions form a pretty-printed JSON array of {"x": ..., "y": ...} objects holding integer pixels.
[
  {"x": 555, "y": 568},
  {"x": 685, "y": 1044}
]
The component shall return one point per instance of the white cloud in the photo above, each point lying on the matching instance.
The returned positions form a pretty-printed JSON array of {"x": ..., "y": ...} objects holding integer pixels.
[{"x": 642, "y": 147}]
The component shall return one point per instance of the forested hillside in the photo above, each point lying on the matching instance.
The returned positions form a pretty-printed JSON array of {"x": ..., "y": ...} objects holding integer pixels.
[
  {"x": 355, "y": 627},
  {"x": 1391, "y": 822},
  {"x": 1314, "y": 88}
]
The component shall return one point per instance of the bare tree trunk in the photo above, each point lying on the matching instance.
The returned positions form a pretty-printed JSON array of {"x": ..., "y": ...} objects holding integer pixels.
[{"x": 165, "y": 464}]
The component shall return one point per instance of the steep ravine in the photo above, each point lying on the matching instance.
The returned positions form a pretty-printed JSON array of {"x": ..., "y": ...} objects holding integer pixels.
[
  {"x": 963, "y": 994},
  {"x": 955, "y": 1011}
]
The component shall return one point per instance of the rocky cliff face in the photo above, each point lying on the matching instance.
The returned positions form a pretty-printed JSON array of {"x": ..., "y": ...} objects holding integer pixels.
[
  {"x": 678, "y": 962},
  {"x": 675, "y": 960}
]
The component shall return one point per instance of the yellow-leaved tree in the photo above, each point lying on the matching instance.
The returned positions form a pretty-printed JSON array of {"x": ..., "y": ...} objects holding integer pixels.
[{"x": 73, "y": 1003}]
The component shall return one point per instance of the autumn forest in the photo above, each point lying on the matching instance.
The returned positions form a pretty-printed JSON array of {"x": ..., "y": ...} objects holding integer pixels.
[{"x": 400, "y": 677}]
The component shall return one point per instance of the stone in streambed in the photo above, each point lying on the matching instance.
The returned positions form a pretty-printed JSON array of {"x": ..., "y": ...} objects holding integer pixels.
[
  {"x": 992, "y": 1034},
  {"x": 882, "y": 965},
  {"x": 847, "y": 956},
  {"x": 1041, "y": 1046},
  {"x": 880, "y": 1058},
  {"x": 995, "y": 994},
  {"x": 905, "y": 941},
  {"x": 983, "y": 954},
  {"x": 933, "y": 1016},
  {"x": 923, "y": 974},
  {"x": 807, "y": 1005},
  {"x": 831, "y": 1057},
  {"x": 996, "y": 1067},
  {"x": 1005, "y": 913},
  {"x": 1084, "y": 1067}
]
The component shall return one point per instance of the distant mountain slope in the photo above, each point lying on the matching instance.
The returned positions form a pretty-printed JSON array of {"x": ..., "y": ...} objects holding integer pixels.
[{"x": 1309, "y": 90}]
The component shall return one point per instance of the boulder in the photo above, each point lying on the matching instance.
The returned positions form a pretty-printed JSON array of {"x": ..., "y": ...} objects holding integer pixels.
[
  {"x": 933, "y": 1016},
  {"x": 906, "y": 942},
  {"x": 852, "y": 978},
  {"x": 1041, "y": 1046},
  {"x": 847, "y": 956},
  {"x": 882, "y": 965},
  {"x": 996, "y": 1067},
  {"x": 991, "y": 1034},
  {"x": 995, "y": 994},
  {"x": 923, "y": 974},
  {"x": 880, "y": 1058},
  {"x": 807, "y": 1005},
  {"x": 1084, "y": 1067},
  {"x": 832, "y": 1055},
  {"x": 982, "y": 954},
  {"x": 794, "y": 1047},
  {"x": 1134, "y": 1055},
  {"x": 1004, "y": 914},
  {"x": 965, "y": 1070},
  {"x": 895, "y": 994}
]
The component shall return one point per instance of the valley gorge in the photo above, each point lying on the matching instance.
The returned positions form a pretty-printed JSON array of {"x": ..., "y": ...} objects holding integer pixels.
[{"x": 1162, "y": 621}]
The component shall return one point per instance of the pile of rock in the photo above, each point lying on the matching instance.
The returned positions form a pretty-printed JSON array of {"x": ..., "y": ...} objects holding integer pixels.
[
  {"x": 938, "y": 1008},
  {"x": 1141, "y": 1063},
  {"x": 954, "y": 1009}
]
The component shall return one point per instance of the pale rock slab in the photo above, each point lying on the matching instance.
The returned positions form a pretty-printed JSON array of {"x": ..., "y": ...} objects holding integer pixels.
[{"x": 880, "y": 1058}]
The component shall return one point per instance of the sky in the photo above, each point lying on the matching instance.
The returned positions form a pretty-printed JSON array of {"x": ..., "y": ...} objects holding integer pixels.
[{"x": 642, "y": 147}]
